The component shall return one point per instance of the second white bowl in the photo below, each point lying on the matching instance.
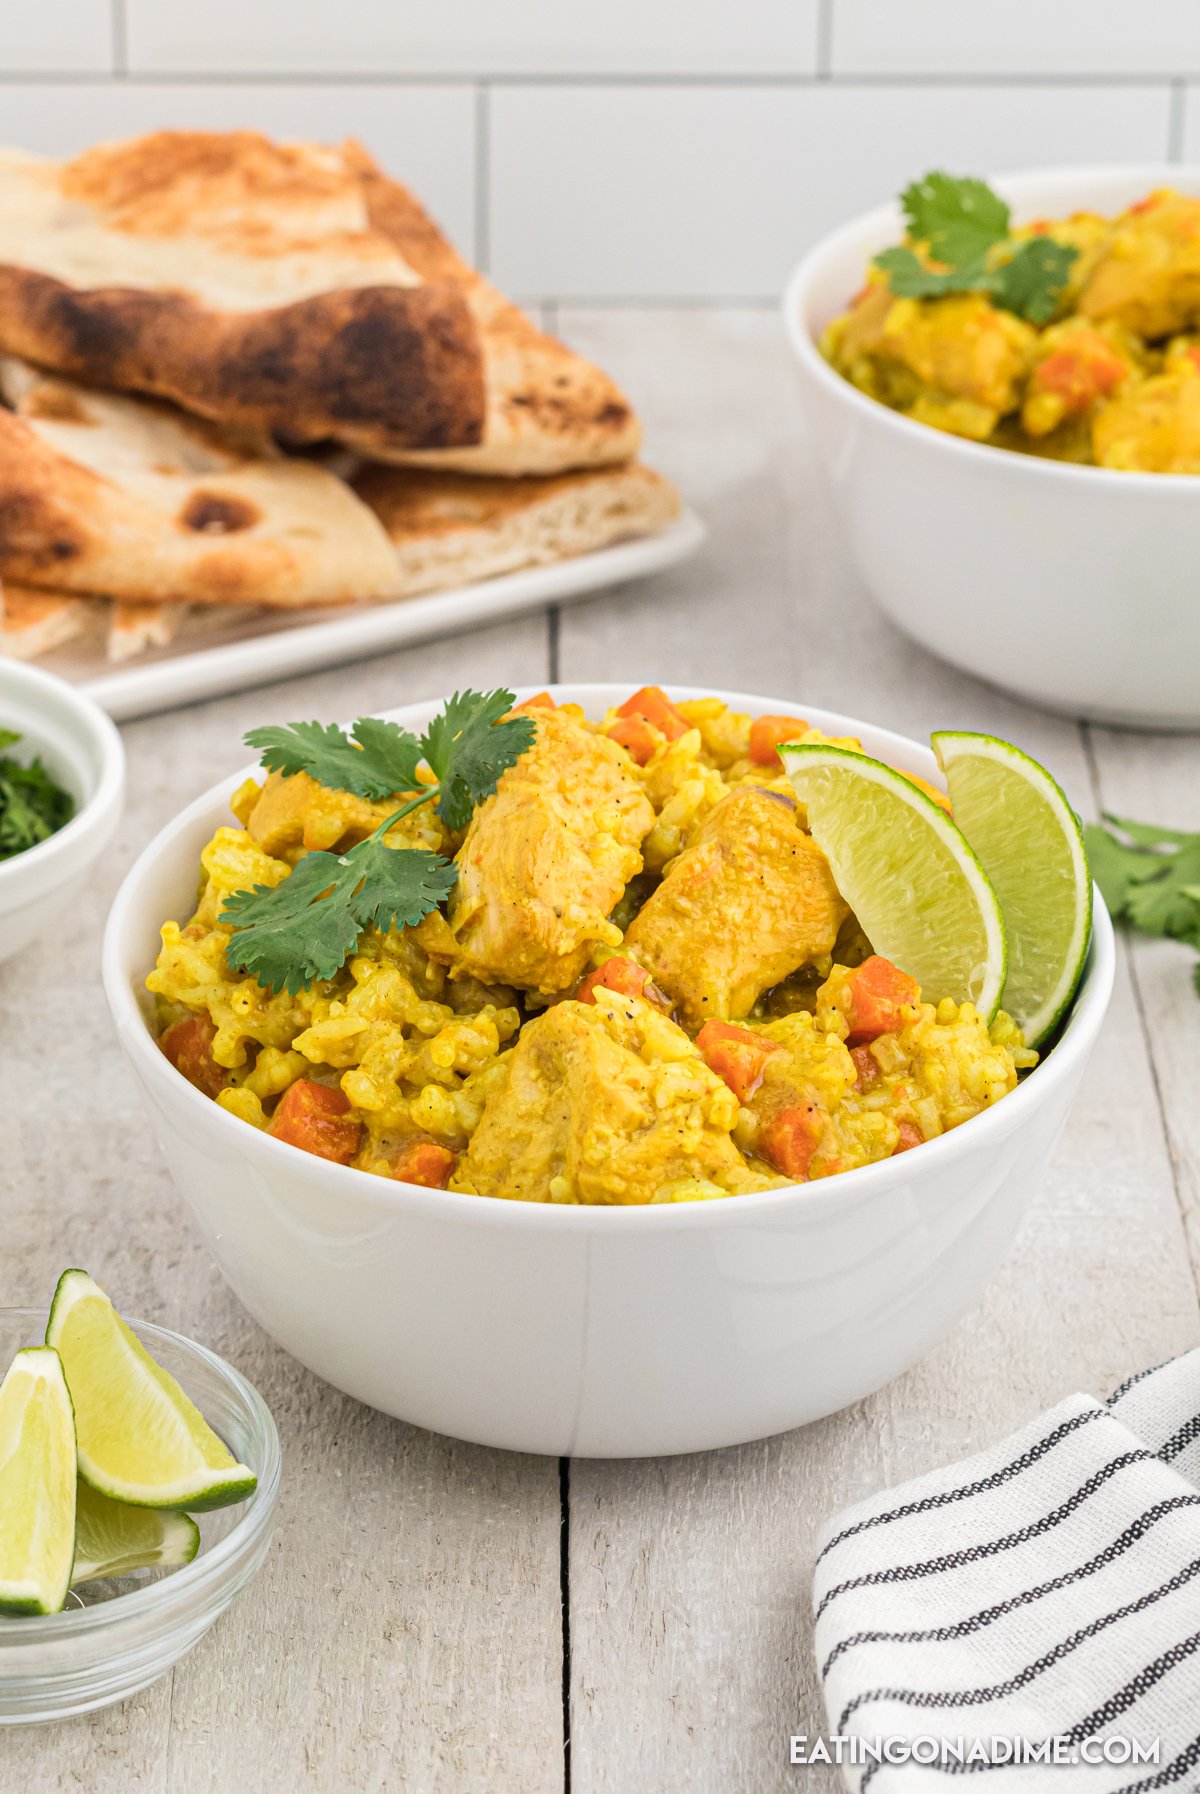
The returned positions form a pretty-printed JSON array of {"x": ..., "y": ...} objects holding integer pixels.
[
  {"x": 594, "y": 1332},
  {"x": 1074, "y": 587},
  {"x": 82, "y": 750}
]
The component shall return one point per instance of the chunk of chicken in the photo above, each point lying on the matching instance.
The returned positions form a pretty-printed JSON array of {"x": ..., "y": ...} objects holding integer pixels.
[
  {"x": 293, "y": 814},
  {"x": 547, "y": 857},
  {"x": 602, "y": 1102},
  {"x": 1153, "y": 426},
  {"x": 748, "y": 902},
  {"x": 955, "y": 363},
  {"x": 1148, "y": 277}
]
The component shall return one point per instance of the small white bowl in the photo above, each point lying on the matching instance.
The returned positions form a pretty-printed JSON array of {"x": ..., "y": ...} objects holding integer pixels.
[
  {"x": 1074, "y": 587},
  {"x": 82, "y": 750},
  {"x": 594, "y": 1332}
]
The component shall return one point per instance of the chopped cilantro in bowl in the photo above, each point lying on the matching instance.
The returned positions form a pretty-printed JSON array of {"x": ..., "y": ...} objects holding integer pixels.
[{"x": 33, "y": 806}]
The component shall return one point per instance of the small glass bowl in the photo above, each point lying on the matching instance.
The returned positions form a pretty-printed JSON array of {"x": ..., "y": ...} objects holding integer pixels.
[{"x": 115, "y": 1638}]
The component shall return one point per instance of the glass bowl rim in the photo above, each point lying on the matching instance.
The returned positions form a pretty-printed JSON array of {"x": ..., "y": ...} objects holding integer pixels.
[{"x": 208, "y": 1571}]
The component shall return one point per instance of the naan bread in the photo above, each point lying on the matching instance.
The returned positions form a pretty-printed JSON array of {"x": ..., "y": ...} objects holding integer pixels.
[
  {"x": 547, "y": 409},
  {"x": 449, "y": 529},
  {"x": 36, "y": 623},
  {"x": 288, "y": 288},
  {"x": 134, "y": 629},
  {"x": 135, "y": 500}
]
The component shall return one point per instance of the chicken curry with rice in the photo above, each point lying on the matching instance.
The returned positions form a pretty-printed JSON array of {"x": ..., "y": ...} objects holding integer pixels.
[
  {"x": 1092, "y": 356},
  {"x": 643, "y": 985}
]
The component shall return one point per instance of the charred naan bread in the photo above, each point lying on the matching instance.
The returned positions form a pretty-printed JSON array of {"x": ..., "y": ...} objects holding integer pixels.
[
  {"x": 546, "y": 408},
  {"x": 449, "y": 529},
  {"x": 289, "y": 288},
  {"x": 134, "y": 500}
]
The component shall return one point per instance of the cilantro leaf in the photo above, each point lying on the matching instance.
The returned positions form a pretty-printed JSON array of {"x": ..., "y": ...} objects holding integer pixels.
[
  {"x": 964, "y": 229},
  {"x": 302, "y": 929},
  {"x": 1151, "y": 879},
  {"x": 306, "y": 927},
  {"x": 32, "y": 806},
  {"x": 958, "y": 218},
  {"x": 1031, "y": 282},
  {"x": 909, "y": 278},
  {"x": 468, "y": 747},
  {"x": 376, "y": 760}
]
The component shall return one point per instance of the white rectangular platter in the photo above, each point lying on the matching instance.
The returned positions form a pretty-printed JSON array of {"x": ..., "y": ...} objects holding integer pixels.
[{"x": 207, "y": 661}]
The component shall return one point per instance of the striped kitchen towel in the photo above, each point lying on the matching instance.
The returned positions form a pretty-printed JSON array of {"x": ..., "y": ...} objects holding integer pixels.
[{"x": 1047, "y": 1592}]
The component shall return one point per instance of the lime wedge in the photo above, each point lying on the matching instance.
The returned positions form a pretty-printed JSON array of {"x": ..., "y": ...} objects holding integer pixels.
[
  {"x": 37, "y": 1484},
  {"x": 112, "y": 1538},
  {"x": 919, "y": 892},
  {"x": 140, "y": 1439},
  {"x": 1031, "y": 842}
]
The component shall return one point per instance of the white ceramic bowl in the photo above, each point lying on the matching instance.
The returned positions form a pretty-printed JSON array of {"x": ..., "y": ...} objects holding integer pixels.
[
  {"x": 1074, "y": 587},
  {"x": 81, "y": 748},
  {"x": 587, "y": 1331}
]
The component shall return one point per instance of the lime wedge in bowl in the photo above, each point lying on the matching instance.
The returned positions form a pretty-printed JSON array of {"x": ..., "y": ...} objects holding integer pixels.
[
  {"x": 1030, "y": 840},
  {"x": 140, "y": 1439},
  {"x": 905, "y": 868},
  {"x": 113, "y": 1539},
  {"x": 37, "y": 1484}
]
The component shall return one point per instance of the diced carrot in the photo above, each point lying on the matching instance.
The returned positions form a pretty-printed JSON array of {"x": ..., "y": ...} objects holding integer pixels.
[
  {"x": 766, "y": 733},
  {"x": 1081, "y": 372},
  {"x": 737, "y": 1055},
  {"x": 636, "y": 736},
  {"x": 878, "y": 993},
  {"x": 316, "y": 1118},
  {"x": 188, "y": 1045},
  {"x": 910, "y": 1136},
  {"x": 621, "y": 975},
  {"x": 1142, "y": 206},
  {"x": 866, "y": 1068},
  {"x": 424, "y": 1162},
  {"x": 654, "y": 706},
  {"x": 540, "y": 701},
  {"x": 789, "y": 1141}
]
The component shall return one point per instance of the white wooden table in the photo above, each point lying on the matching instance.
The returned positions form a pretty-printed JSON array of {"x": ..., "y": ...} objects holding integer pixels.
[{"x": 434, "y": 1616}]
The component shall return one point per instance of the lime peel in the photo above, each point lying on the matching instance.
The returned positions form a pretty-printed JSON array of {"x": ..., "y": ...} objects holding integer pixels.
[
  {"x": 907, "y": 871},
  {"x": 37, "y": 1484},
  {"x": 1021, "y": 825},
  {"x": 141, "y": 1440}
]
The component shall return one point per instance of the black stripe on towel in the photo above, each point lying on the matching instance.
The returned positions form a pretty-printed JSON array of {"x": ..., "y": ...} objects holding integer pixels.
[
  {"x": 976, "y": 1621},
  {"x": 977, "y": 1697},
  {"x": 1169, "y": 1773},
  {"x": 1110, "y": 1709},
  {"x": 1188, "y": 1433},
  {"x": 934, "y": 1566},
  {"x": 1132, "y": 1382},
  {"x": 995, "y": 1481}
]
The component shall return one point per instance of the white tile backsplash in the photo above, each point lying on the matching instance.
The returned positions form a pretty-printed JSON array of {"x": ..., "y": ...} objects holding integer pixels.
[
  {"x": 1018, "y": 37},
  {"x": 635, "y": 150},
  {"x": 474, "y": 37},
  {"x": 423, "y": 134},
  {"x": 707, "y": 192},
  {"x": 56, "y": 36}
]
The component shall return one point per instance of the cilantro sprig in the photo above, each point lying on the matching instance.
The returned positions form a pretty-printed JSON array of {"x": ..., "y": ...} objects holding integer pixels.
[
  {"x": 966, "y": 230},
  {"x": 32, "y": 806},
  {"x": 1150, "y": 879},
  {"x": 304, "y": 929}
]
